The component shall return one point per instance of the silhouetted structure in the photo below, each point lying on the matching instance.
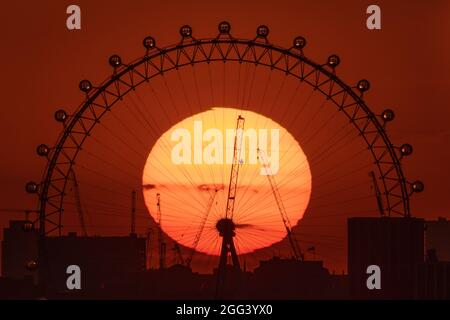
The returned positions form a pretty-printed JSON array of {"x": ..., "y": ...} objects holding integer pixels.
[
  {"x": 19, "y": 247},
  {"x": 396, "y": 245},
  {"x": 114, "y": 268},
  {"x": 175, "y": 282},
  {"x": 433, "y": 281},
  {"x": 14, "y": 288},
  {"x": 437, "y": 238},
  {"x": 102, "y": 260},
  {"x": 290, "y": 279}
]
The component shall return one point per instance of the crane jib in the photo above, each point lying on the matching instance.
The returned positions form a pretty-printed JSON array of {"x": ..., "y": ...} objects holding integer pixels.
[{"x": 235, "y": 167}]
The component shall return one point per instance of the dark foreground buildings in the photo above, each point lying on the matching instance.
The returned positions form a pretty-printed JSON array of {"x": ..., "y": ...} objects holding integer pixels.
[
  {"x": 114, "y": 268},
  {"x": 437, "y": 233},
  {"x": 19, "y": 247},
  {"x": 433, "y": 278},
  {"x": 102, "y": 260},
  {"x": 395, "y": 245}
]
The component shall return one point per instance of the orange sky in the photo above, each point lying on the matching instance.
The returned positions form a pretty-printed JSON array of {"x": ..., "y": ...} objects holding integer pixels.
[{"x": 406, "y": 62}]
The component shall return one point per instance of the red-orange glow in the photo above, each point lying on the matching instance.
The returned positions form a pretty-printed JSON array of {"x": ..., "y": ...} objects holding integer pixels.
[{"x": 186, "y": 187}]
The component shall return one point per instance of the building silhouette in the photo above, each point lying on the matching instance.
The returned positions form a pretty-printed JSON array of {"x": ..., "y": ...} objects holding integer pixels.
[
  {"x": 19, "y": 247},
  {"x": 433, "y": 276},
  {"x": 396, "y": 245},
  {"x": 114, "y": 268},
  {"x": 102, "y": 260},
  {"x": 291, "y": 279},
  {"x": 433, "y": 281},
  {"x": 437, "y": 238}
]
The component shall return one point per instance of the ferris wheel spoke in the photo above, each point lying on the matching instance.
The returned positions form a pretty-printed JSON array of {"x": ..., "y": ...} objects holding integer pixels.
[
  {"x": 166, "y": 149},
  {"x": 262, "y": 204},
  {"x": 174, "y": 105},
  {"x": 265, "y": 125},
  {"x": 286, "y": 132},
  {"x": 287, "y": 179},
  {"x": 198, "y": 170},
  {"x": 130, "y": 188},
  {"x": 343, "y": 214}
]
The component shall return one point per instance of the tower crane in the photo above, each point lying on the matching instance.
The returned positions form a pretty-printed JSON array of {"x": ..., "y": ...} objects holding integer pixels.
[
  {"x": 76, "y": 190},
  {"x": 377, "y": 193},
  {"x": 298, "y": 255},
  {"x": 202, "y": 226},
  {"x": 161, "y": 242},
  {"x": 226, "y": 226},
  {"x": 236, "y": 164},
  {"x": 178, "y": 256}
]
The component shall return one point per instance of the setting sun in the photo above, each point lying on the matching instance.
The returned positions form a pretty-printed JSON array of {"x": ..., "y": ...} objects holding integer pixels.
[{"x": 189, "y": 166}]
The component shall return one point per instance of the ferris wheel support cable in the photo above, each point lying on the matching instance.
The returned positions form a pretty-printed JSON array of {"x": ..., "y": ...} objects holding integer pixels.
[
  {"x": 119, "y": 138},
  {"x": 266, "y": 121},
  {"x": 307, "y": 125},
  {"x": 197, "y": 91},
  {"x": 284, "y": 216},
  {"x": 186, "y": 98},
  {"x": 172, "y": 101},
  {"x": 289, "y": 178},
  {"x": 213, "y": 102},
  {"x": 244, "y": 193},
  {"x": 121, "y": 181},
  {"x": 114, "y": 152},
  {"x": 199, "y": 233},
  {"x": 186, "y": 173},
  {"x": 246, "y": 103},
  {"x": 318, "y": 130},
  {"x": 255, "y": 205},
  {"x": 290, "y": 104},
  {"x": 173, "y": 177},
  {"x": 165, "y": 145},
  {"x": 158, "y": 101},
  {"x": 296, "y": 195},
  {"x": 224, "y": 80},
  {"x": 276, "y": 98},
  {"x": 138, "y": 139},
  {"x": 329, "y": 149}
]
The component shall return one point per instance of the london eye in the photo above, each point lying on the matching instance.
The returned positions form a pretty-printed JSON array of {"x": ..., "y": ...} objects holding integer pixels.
[{"x": 112, "y": 169}]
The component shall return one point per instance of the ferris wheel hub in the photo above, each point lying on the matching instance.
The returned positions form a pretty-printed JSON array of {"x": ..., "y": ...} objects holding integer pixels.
[{"x": 226, "y": 227}]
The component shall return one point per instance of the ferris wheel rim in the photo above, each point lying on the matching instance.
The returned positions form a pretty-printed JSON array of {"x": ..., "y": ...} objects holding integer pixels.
[{"x": 122, "y": 70}]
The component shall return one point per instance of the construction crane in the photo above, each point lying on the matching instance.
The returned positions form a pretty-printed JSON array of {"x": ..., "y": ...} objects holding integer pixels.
[
  {"x": 202, "y": 226},
  {"x": 133, "y": 213},
  {"x": 236, "y": 164},
  {"x": 76, "y": 191},
  {"x": 161, "y": 243},
  {"x": 178, "y": 256},
  {"x": 298, "y": 255},
  {"x": 377, "y": 193},
  {"x": 226, "y": 226}
]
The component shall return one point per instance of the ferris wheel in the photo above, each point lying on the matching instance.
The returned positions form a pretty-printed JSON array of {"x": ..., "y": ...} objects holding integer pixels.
[{"x": 166, "y": 127}]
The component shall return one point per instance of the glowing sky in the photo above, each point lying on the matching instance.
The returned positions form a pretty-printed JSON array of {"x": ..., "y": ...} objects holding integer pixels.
[{"x": 186, "y": 170}]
